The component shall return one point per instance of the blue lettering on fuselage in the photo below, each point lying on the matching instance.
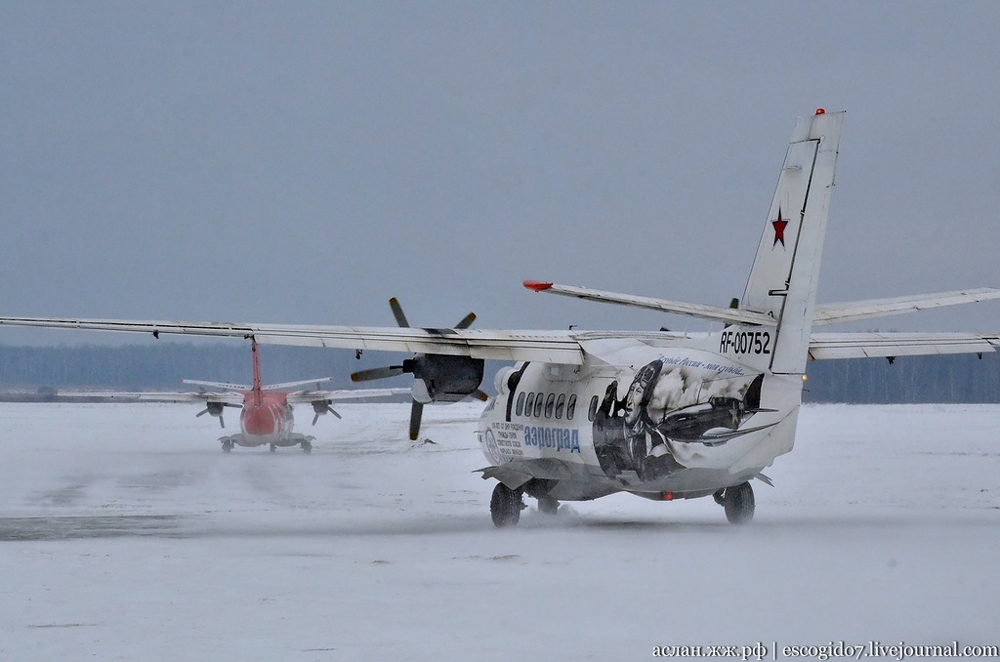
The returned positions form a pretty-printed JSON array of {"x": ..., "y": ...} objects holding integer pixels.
[{"x": 557, "y": 438}]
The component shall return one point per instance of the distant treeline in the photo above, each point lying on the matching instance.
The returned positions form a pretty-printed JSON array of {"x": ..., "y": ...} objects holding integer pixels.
[
  {"x": 956, "y": 378},
  {"x": 959, "y": 378}
]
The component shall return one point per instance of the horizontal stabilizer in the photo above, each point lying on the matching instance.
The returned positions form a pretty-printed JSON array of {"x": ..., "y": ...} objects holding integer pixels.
[
  {"x": 715, "y": 313},
  {"x": 219, "y": 385},
  {"x": 285, "y": 386},
  {"x": 883, "y": 345},
  {"x": 851, "y": 311}
]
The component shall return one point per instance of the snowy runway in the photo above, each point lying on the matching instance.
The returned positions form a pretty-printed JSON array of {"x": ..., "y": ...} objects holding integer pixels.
[{"x": 125, "y": 533}]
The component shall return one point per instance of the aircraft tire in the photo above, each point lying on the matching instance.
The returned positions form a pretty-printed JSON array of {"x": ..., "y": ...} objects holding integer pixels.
[
  {"x": 273, "y": 448},
  {"x": 227, "y": 446},
  {"x": 306, "y": 447},
  {"x": 505, "y": 506},
  {"x": 739, "y": 503}
]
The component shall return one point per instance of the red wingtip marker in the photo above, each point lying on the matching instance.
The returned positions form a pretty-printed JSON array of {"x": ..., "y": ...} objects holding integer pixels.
[{"x": 536, "y": 285}]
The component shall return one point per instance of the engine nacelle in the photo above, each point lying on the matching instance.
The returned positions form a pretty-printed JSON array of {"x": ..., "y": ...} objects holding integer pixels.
[
  {"x": 215, "y": 408},
  {"x": 444, "y": 378},
  {"x": 501, "y": 382}
]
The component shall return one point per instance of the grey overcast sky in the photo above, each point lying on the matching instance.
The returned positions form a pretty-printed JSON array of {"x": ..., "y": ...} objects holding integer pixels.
[{"x": 302, "y": 162}]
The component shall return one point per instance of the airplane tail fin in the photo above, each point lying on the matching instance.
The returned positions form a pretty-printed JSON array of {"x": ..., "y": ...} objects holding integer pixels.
[{"x": 783, "y": 279}]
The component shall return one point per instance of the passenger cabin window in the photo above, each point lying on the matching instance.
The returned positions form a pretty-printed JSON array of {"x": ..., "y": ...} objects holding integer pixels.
[
  {"x": 571, "y": 407},
  {"x": 592, "y": 413},
  {"x": 550, "y": 403},
  {"x": 539, "y": 402},
  {"x": 560, "y": 405},
  {"x": 529, "y": 404},
  {"x": 520, "y": 403}
]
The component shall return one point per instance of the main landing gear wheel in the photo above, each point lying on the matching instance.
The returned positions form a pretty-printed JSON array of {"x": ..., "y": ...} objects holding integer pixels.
[
  {"x": 738, "y": 502},
  {"x": 227, "y": 446},
  {"x": 505, "y": 506},
  {"x": 273, "y": 448},
  {"x": 307, "y": 447}
]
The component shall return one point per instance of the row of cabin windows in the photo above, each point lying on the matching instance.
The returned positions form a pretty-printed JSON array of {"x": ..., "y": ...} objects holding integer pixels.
[{"x": 551, "y": 405}]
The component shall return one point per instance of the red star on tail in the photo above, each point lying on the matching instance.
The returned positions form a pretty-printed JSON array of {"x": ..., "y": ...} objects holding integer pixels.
[{"x": 779, "y": 230}]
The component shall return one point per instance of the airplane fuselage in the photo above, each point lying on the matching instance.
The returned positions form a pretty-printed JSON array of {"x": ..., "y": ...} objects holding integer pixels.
[
  {"x": 674, "y": 421},
  {"x": 266, "y": 419}
]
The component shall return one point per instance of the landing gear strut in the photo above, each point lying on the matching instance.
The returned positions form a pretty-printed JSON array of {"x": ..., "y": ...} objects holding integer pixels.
[
  {"x": 548, "y": 505},
  {"x": 738, "y": 502},
  {"x": 505, "y": 506},
  {"x": 227, "y": 446},
  {"x": 307, "y": 447}
]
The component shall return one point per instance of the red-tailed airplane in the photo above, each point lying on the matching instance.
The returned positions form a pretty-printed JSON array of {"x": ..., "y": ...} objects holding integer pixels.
[
  {"x": 266, "y": 416},
  {"x": 661, "y": 415}
]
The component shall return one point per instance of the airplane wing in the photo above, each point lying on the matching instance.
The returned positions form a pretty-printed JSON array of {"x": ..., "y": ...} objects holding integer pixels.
[
  {"x": 714, "y": 313},
  {"x": 565, "y": 347},
  {"x": 345, "y": 394},
  {"x": 95, "y": 395},
  {"x": 227, "y": 398},
  {"x": 824, "y": 346},
  {"x": 851, "y": 311},
  {"x": 529, "y": 345}
]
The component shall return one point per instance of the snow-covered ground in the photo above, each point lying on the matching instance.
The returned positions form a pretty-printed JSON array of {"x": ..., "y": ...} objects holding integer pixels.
[{"x": 126, "y": 534}]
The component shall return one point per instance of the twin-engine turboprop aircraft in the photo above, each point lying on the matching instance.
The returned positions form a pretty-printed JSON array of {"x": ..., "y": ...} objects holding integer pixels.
[
  {"x": 661, "y": 415},
  {"x": 266, "y": 415}
]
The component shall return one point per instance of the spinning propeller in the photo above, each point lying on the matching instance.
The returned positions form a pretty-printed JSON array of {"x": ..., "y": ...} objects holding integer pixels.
[{"x": 437, "y": 377}]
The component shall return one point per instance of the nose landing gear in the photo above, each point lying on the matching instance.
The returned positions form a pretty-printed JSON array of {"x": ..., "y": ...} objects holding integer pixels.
[{"x": 505, "y": 506}]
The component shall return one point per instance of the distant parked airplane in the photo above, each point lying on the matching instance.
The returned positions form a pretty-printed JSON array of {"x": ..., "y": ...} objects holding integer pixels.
[{"x": 266, "y": 410}]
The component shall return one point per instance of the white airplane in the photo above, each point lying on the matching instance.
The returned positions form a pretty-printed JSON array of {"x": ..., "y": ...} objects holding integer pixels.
[{"x": 661, "y": 415}]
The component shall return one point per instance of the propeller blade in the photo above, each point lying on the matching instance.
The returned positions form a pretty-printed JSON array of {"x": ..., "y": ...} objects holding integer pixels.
[
  {"x": 466, "y": 321},
  {"x": 222, "y": 423},
  {"x": 415, "y": 413},
  {"x": 320, "y": 411},
  {"x": 377, "y": 373},
  {"x": 397, "y": 312},
  {"x": 201, "y": 413},
  {"x": 480, "y": 395}
]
